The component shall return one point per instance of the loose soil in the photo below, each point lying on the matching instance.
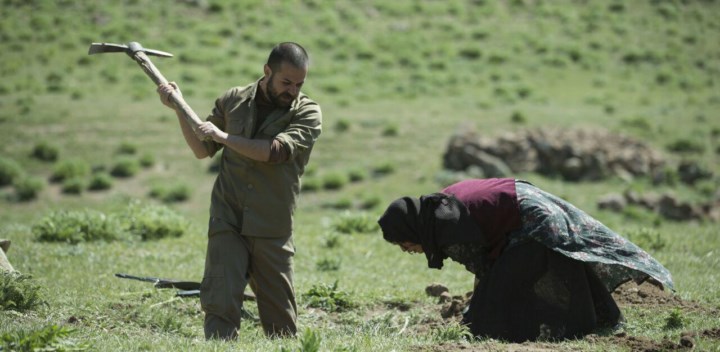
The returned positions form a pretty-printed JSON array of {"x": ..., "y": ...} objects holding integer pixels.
[{"x": 647, "y": 295}]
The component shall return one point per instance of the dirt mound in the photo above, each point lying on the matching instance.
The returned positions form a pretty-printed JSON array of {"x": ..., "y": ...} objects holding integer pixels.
[
  {"x": 644, "y": 294},
  {"x": 573, "y": 154},
  {"x": 649, "y": 294}
]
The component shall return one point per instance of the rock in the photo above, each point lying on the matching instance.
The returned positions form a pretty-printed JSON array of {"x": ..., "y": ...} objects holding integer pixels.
[
  {"x": 4, "y": 262},
  {"x": 574, "y": 154},
  {"x": 435, "y": 290},
  {"x": 614, "y": 202}
]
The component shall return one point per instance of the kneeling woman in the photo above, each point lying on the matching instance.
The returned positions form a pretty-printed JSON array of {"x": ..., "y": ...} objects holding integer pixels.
[{"x": 544, "y": 269}]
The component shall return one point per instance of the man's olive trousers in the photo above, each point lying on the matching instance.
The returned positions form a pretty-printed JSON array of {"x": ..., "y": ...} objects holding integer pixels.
[{"x": 233, "y": 261}]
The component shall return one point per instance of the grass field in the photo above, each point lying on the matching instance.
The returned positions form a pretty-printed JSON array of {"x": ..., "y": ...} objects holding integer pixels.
[{"x": 395, "y": 80}]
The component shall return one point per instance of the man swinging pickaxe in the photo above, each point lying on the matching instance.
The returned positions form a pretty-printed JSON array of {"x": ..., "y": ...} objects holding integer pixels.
[{"x": 140, "y": 55}]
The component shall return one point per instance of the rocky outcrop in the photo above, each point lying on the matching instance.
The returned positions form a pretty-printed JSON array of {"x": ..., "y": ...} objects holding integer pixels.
[{"x": 572, "y": 154}]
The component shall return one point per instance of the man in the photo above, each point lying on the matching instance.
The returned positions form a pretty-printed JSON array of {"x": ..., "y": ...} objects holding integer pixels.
[{"x": 266, "y": 131}]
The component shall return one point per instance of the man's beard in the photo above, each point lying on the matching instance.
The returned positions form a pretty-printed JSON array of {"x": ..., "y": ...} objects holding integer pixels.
[{"x": 275, "y": 98}]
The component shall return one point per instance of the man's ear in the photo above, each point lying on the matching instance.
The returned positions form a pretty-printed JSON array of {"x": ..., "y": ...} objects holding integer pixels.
[{"x": 267, "y": 70}]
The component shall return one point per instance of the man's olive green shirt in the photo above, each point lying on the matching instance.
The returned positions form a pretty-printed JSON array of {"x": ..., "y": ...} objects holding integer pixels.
[{"x": 258, "y": 198}]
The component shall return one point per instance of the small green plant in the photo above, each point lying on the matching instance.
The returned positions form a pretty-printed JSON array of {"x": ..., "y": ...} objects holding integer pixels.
[
  {"x": 147, "y": 160},
  {"x": 328, "y": 297},
  {"x": 647, "y": 238},
  {"x": 356, "y": 175},
  {"x": 328, "y": 264},
  {"x": 127, "y": 149},
  {"x": 10, "y": 170},
  {"x": 675, "y": 320},
  {"x": 342, "y": 203},
  {"x": 100, "y": 181},
  {"x": 153, "y": 222},
  {"x": 171, "y": 194},
  {"x": 384, "y": 169},
  {"x": 18, "y": 292},
  {"x": 27, "y": 188},
  {"x": 331, "y": 240},
  {"x": 78, "y": 226},
  {"x": 125, "y": 167},
  {"x": 49, "y": 338},
  {"x": 451, "y": 332},
  {"x": 334, "y": 181},
  {"x": 310, "y": 184},
  {"x": 518, "y": 117},
  {"x": 390, "y": 131},
  {"x": 350, "y": 223},
  {"x": 369, "y": 202},
  {"x": 309, "y": 341},
  {"x": 68, "y": 169},
  {"x": 342, "y": 125},
  {"x": 74, "y": 185},
  {"x": 687, "y": 146},
  {"x": 45, "y": 152}
]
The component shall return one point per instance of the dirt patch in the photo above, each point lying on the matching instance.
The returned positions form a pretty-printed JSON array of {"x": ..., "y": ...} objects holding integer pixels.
[
  {"x": 652, "y": 295},
  {"x": 638, "y": 343}
]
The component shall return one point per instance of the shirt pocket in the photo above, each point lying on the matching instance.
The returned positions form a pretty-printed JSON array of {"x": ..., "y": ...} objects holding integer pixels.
[
  {"x": 276, "y": 127},
  {"x": 236, "y": 126}
]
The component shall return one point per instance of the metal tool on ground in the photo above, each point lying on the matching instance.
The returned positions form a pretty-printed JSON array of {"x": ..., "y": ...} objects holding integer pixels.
[
  {"x": 185, "y": 288},
  {"x": 140, "y": 55}
]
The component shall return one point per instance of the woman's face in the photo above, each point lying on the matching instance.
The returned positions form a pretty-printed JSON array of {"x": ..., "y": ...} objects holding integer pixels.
[{"x": 410, "y": 247}]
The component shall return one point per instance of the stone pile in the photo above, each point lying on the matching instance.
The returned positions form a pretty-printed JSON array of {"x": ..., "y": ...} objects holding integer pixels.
[
  {"x": 666, "y": 205},
  {"x": 572, "y": 154}
]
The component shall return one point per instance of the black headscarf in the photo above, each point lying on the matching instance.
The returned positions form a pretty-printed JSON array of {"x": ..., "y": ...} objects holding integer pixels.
[{"x": 433, "y": 221}]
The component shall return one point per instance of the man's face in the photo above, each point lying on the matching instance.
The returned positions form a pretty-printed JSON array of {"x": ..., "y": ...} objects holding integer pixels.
[{"x": 283, "y": 86}]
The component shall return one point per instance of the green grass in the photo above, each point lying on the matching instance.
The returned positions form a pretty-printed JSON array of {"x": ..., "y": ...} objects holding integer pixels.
[{"x": 395, "y": 80}]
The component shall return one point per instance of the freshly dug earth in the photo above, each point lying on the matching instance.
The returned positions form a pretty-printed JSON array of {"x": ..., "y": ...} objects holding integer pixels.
[{"x": 646, "y": 294}]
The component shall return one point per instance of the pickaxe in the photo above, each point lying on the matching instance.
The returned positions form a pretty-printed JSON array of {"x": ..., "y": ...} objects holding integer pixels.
[{"x": 140, "y": 55}]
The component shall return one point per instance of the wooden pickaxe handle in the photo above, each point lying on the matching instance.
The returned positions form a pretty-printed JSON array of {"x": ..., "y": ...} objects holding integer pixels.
[{"x": 175, "y": 97}]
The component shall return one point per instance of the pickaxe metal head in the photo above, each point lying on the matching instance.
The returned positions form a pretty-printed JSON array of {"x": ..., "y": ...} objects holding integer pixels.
[{"x": 131, "y": 48}]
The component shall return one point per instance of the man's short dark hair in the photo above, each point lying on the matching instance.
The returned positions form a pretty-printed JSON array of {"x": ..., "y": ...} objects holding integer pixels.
[{"x": 289, "y": 52}]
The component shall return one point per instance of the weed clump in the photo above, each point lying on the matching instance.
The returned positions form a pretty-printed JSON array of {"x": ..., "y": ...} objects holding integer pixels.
[
  {"x": 452, "y": 332},
  {"x": 350, "y": 223},
  {"x": 328, "y": 297},
  {"x": 78, "y": 226},
  {"x": 648, "y": 238},
  {"x": 99, "y": 182},
  {"x": 154, "y": 222},
  {"x": 73, "y": 185},
  {"x": 328, "y": 264},
  {"x": 171, "y": 194},
  {"x": 125, "y": 167},
  {"x": 50, "y": 338},
  {"x": 142, "y": 221},
  {"x": 18, "y": 292},
  {"x": 675, "y": 320},
  {"x": 69, "y": 169},
  {"x": 10, "y": 170},
  {"x": 686, "y": 146},
  {"x": 334, "y": 181},
  {"x": 27, "y": 188},
  {"x": 45, "y": 152},
  {"x": 310, "y": 184}
]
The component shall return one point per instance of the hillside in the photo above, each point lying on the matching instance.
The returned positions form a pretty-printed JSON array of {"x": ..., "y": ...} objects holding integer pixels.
[{"x": 395, "y": 80}]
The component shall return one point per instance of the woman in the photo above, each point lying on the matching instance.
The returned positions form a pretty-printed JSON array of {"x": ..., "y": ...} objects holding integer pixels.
[{"x": 544, "y": 269}]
